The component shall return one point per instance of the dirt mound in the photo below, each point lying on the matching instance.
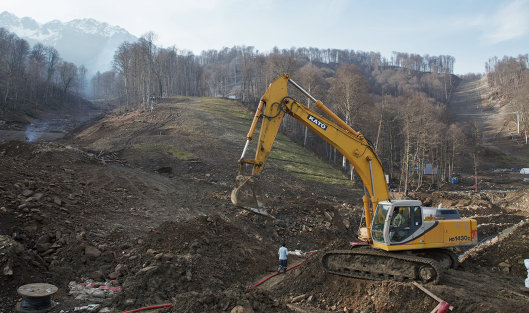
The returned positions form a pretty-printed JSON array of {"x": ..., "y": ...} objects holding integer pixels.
[
  {"x": 310, "y": 285},
  {"x": 518, "y": 200},
  {"x": 505, "y": 252},
  {"x": 203, "y": 255},
  {"x": 493, "y": 211},
  {"x": 237, "y": 300}
]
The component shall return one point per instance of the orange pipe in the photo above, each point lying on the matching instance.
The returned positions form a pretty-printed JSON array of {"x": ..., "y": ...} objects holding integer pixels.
[{"x": 262, "y": 281}]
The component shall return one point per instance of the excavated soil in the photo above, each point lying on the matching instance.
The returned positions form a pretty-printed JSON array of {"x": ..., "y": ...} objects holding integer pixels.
[{"x": 142, "y": 200}]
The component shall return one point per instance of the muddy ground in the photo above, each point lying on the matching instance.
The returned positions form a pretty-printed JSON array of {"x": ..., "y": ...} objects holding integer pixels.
[{"x": 141, "y": 201}]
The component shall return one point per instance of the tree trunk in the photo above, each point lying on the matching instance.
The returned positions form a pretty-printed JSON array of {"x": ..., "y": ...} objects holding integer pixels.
[{"x": 475, "y": 157}]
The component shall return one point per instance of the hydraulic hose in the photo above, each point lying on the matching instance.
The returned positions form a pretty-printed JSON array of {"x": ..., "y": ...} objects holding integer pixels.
[
  {"x": 275, "y": 274},
  {"x": 150, "y": 307}
]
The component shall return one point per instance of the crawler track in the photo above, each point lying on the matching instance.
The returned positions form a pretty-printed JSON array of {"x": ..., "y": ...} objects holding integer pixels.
[{"x": 367, "y": 263}]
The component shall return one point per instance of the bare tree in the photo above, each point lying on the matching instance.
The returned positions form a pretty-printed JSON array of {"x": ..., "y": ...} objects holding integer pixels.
[
  {"x": 349, "y": 92},
  {"x": 474, "y": 146},
  {"x": 311, "y": 78},
  {"x": 67, "y": 76}
]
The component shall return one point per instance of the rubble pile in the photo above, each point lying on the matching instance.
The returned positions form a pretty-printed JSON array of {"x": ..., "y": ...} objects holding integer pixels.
[
  {"x": 505, "y": 252},
  {"x": 205, "y": 255}
]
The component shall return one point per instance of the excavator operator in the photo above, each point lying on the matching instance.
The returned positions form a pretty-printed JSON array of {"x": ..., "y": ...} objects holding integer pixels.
[{"x": 402, "y": 221}]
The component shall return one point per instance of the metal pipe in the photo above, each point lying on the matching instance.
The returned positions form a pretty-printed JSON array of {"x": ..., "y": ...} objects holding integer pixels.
[
  {"x": 371, "y": 176},
  {"x": 326, "y": 110},
  {"x": 245, "y": 148},
  {"x": 255, "y": 119},
  {"x": 302, "y": 90}
]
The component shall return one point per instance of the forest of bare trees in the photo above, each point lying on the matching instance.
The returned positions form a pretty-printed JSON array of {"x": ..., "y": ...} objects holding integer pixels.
[
  {"x": 509, "y": 77},
  {"x": 397, "y": 103},
  {"x": 35, "y": 75}
]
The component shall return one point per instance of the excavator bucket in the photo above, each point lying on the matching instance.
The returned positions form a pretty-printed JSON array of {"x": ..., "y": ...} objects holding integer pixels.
[{"x": 246, "y": 195}]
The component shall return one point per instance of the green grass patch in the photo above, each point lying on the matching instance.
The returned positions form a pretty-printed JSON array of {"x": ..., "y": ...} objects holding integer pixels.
[
  {"x": 172, "y": 151},
  {"x": 302, "y": 163},
  {"x": 181, "y": 154},
  {"x": 225, "y": 109},
  {"x": 286, "y": 155}
]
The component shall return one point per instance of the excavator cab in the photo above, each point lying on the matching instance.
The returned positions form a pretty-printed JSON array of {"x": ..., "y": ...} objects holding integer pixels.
[
  {"x": 406, "y": 224},
  {"x": 395, "y": 224}
]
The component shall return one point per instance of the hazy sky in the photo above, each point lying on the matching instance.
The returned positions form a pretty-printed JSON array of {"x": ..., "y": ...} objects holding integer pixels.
[{"x": 470, "y": 30}]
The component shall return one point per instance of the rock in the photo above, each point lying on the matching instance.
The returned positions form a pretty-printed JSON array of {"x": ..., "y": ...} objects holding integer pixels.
[
  {"x": 242, "y": 309},
  {"x": 7, "y": 270},
  {"x": 168, "y": 256},
  {"x": 505, "y": 267},
  {"x": 57, "y": 201},
  {"x": 106, "y": 268},
  {"x": 42, "y": 247},
  {"x": 237, "y": 309},
  {"x": 98, "y": 293},
  {"x": 119, "y": 267},
  {"x": 92, "y": 252},
  {"x": 43, "y": 239},
  {"x": 55, "y": 245},
  {"x": 97, "y": 275},
  {"x": 31, "y": 228},
  {"x": 346, "y": 223},
  {"x": 27, "y": 193},
  {"x": 48, "y": 252},
  {"x": 148, "y": 269},
  {"x": 114, "y": 275},
  {"x": 298, "y": 298},
  {"x": 19, "y": 248}
]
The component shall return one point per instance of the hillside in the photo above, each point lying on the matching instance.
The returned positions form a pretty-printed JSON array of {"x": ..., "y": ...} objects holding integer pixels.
[
  {"x": 142, "y": 199},
  {"x": 470, "y": 102}
]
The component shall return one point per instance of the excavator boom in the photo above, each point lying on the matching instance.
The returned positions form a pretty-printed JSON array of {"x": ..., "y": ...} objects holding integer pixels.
[{"x": 273, "y": 106}]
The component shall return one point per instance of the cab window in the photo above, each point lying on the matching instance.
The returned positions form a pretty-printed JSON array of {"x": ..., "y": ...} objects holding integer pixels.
[
  {"x": 417, "y": 216},
  {"x": 377, "y": 230},
  {"x": 400, "y": 224}
]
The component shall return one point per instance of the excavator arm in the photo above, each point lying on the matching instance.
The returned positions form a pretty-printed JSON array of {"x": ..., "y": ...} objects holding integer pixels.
[{"x": 273, "y": 106}]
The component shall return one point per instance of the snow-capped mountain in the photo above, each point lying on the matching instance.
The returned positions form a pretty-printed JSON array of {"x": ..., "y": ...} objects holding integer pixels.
[{"x": 82, "y": 41}]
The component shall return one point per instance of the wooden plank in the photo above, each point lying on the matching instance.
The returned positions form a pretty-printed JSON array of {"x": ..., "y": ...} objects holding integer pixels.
[{"x": 428, "y": 292}]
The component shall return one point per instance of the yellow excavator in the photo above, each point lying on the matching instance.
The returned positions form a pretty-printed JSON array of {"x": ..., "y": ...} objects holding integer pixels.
[{"x": 402, "y": 240}]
